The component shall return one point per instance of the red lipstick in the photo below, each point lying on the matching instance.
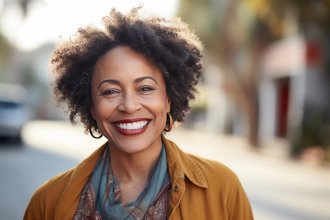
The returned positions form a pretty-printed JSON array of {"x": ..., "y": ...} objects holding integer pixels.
[{"x": 130, "y": 120}]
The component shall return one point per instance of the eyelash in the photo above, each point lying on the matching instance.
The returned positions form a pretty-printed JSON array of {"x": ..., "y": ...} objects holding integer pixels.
[
  {"x": 109, "y": 92},
  {"x": 146, "y": 89}
]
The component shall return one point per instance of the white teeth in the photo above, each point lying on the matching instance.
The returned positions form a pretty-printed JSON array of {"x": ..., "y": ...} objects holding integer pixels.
[{"x": 132, "y": 126}]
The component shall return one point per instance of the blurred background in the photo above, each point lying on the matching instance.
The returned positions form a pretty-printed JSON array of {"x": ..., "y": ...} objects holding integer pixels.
[{"x": 263, "y": 106}]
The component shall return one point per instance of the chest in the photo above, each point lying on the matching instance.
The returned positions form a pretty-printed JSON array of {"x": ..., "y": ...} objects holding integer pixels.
[
  {"x": 196, "y": 203},
  {"x": 129, "y": 192}
]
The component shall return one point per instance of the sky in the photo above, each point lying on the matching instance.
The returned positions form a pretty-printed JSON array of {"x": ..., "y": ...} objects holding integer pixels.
[{"x": 54, "y": 20}]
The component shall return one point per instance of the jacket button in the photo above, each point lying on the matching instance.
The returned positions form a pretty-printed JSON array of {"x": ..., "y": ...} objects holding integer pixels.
[{"x": 176, "y": 189}]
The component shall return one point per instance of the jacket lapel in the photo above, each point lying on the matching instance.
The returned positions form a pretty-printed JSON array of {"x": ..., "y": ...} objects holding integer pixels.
[
  {"x": 71, "y": 194},
  {"x": 180, "y": 166}
]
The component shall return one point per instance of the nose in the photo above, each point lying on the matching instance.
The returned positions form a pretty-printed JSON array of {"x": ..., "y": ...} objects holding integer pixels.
[{"x": 129, "y": 103}]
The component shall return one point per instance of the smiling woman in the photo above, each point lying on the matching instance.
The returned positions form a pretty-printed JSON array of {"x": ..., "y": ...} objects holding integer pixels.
[
  {"x": 129, "y": 102},
  {"x": 129, "y": 82}
]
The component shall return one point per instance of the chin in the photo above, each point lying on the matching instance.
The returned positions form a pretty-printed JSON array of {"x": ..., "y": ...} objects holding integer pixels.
[{"x": 131, "y": 145}]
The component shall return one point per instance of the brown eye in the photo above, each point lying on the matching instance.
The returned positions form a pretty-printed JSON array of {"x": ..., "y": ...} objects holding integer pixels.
[
  {"x": 110, "y": 92},
  {"x": 146, "y": 89}
]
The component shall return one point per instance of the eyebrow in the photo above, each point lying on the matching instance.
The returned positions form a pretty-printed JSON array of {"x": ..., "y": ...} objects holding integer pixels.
[
  {"x": 113, "y": 81},
  {"x": 140, "y": 79}
]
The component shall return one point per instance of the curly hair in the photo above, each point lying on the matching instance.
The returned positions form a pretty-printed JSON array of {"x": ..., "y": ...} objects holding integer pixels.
[{"x": 166, "y": 43}]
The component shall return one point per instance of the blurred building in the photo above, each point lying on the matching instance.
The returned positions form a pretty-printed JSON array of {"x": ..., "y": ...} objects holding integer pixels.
[
  {"x": 294, "y": 91},
  {"x": 282, "y": 88},
  {"x": 30, "y": 69}
]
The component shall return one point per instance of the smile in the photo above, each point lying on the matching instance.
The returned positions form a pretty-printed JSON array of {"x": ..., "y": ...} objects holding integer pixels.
[{"x": 132, "y": 126}]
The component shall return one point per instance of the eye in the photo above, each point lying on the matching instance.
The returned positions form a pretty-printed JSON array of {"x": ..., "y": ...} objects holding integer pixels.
[
  {"x": 146, "y": 89},
  {"x": 110, "y": 92}
]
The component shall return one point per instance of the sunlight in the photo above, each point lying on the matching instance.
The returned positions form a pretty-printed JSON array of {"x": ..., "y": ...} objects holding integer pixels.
[{"x": 53, "y": 20}]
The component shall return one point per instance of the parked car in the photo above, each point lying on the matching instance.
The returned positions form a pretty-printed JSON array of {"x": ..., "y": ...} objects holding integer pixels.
[{"x": 14, "y": 113}]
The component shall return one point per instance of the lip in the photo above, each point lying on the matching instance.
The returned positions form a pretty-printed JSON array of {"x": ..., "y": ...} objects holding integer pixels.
[
  {"x": 130, "y": 120},
  {"x": 128, "y": 132}
]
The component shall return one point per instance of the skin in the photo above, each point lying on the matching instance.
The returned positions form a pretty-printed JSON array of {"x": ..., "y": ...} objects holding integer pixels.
[{"x": 126, "y": 87}]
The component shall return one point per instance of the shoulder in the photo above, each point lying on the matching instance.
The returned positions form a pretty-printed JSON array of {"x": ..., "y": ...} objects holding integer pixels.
[
  {"x": 223, "y": 181},
  {"x": 46, "y": 196},
  {"x": 215, "y": 171},
  {"x": 213, "y": 181},
  {"x": 63, "y": 188},
  {"x": 197, "y": 167},
  {"x": 53, "y": 185}
]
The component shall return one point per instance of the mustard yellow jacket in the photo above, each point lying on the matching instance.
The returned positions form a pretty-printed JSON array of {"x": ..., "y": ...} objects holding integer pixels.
[{"x": 201, "y": 189}]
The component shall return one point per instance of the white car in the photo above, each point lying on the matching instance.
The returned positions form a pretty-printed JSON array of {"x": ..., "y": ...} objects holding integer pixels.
[{"x": 13, "y": 111}]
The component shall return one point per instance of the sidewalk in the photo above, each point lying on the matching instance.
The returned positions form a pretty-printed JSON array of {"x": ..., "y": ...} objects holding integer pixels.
[{"x": 278, "y": 188}]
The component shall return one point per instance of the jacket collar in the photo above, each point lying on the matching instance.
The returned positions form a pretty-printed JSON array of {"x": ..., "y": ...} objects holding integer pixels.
[
  {"x": 182, "y": 165},
  {"x": 79, "y": 177}
]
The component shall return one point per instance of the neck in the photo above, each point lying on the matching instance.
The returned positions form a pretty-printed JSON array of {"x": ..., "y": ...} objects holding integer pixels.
[{"x": 135, "y": 167}]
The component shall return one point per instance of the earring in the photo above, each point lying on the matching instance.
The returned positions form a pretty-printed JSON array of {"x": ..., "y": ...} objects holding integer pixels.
[
  {"x": 91, "y": 132},
  {"x": 169, "y": 123}
]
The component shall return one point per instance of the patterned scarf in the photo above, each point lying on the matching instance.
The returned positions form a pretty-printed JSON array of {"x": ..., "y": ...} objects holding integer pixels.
[{"x": 100, "y": 198}]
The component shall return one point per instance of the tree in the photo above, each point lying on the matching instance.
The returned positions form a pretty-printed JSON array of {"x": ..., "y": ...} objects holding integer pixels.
[
  {"x": 234, "y": 41},
  {"x": 236, "y": 32},
  {"x": 5, "y": 47}
]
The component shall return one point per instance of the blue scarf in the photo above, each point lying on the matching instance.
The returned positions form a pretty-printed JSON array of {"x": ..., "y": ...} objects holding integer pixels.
[{"x": 103, "y": 191}]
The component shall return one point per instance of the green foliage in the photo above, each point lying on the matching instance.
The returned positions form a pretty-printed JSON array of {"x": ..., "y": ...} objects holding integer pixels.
[
  {"x": 5, "y": 49},
  {"x": 203, "y": 18},
  {"x": 314, "y": 131}
]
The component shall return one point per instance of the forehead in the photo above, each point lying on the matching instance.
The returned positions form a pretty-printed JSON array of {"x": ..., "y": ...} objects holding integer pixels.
[{"x": 124, "y": 61}]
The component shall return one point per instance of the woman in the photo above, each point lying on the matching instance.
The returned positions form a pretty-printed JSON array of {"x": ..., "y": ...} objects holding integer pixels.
[{"x": 130, "y": 82}]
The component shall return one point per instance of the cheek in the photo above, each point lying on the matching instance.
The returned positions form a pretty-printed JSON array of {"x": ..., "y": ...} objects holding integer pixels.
[
  {"x": 102, "y": 109},
  {"x": 161, "y": 110}
]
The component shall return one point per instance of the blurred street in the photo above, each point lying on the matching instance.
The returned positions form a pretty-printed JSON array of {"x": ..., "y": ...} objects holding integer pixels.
[
  {"x": 22, "y": 169},
  {"x": 278, "y": 188}
]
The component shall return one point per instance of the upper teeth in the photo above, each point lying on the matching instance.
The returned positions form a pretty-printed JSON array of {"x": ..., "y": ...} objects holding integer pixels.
[{"x": 132, "y": 126}]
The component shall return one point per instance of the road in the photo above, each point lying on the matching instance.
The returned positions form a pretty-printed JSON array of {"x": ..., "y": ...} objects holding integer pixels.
[
  {"x": 277, "y": 187},
  {"x": 22, "y": 170}
]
